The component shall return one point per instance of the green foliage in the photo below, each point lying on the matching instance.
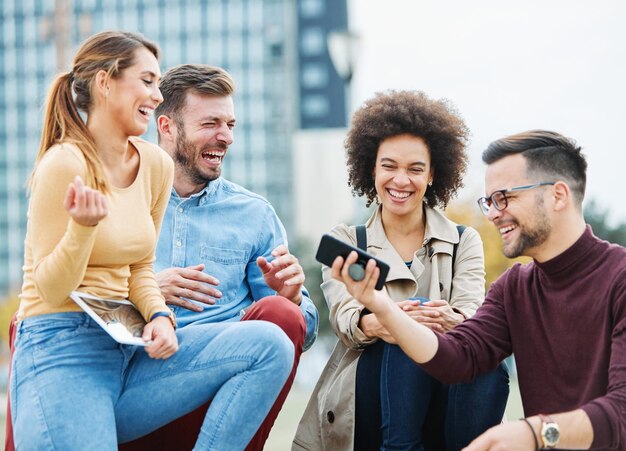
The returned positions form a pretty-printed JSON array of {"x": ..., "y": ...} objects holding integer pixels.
[
  {"x": 597, "y": 218},
  {"x": 495, "y": 261}
]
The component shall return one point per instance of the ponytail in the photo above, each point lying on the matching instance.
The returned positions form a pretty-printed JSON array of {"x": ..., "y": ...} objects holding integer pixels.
[
  {"x": 111, "y": 51},
  {"x": 63, "y": 123}
]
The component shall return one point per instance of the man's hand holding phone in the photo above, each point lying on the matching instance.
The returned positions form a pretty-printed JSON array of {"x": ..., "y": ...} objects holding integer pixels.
[
  {"x": 330, "y": 247},
  {"x": 377, "y": 301}
]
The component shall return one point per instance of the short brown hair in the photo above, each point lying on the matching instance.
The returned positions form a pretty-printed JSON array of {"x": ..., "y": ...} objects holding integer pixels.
[
  {"x": 408, "y": 112},
  {"x": 197, "y": 78},
  {"x": 548, "y": 155}
]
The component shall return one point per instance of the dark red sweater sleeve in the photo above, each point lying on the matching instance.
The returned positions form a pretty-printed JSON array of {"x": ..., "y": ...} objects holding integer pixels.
[
  {"x": 565, "y": 322},
  {"x": 608, "y": 413},
  {"x": 475, "y": 346}
]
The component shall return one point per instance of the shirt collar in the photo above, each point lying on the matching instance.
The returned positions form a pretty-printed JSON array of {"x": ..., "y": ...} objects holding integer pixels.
[{"x": 202, "y": 196}]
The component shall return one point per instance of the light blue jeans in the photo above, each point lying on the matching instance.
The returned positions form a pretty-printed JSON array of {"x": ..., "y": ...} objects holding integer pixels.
[{"x": 74, "y": 388}]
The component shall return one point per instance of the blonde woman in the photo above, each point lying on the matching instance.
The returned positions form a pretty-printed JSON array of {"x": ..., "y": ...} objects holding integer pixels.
[{"x": 98, "y": 195}]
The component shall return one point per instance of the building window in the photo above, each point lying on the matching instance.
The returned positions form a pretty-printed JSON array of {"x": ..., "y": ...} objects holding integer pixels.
[
  {"x": 315, "y": 106},
  {"x": 312, "y": 41},
  {"x": 311, "y": 9},
  {"x": 235, "y": 15},
  {"x": 314, "y": 75}
]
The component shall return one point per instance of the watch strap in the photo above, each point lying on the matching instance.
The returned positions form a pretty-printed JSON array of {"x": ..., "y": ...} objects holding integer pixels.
[
  {"x": 169, "y": 314},
  {"x": 547, "y": 422}
]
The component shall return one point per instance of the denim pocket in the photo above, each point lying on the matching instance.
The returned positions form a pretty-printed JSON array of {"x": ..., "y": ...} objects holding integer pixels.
[
  {"x": 224, "y": 256},
  {"x": 45, "y": 332},
  {"x": 228, "y": 266}
]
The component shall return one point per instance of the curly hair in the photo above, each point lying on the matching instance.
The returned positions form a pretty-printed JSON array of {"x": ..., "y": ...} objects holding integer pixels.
[{"x": 396, "y": 113}]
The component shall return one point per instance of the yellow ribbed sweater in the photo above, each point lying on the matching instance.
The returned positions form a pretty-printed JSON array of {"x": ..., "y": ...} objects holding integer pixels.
[{"x": 111, "y": 260}]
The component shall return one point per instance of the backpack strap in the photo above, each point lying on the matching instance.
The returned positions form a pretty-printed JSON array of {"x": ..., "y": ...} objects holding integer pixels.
[
  {"x": 361, "y": 237},
  {"x": 460, "y": 228},
  {"x": 361, "y": 243}
]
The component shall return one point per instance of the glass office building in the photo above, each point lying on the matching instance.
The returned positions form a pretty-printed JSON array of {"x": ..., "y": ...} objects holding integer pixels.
[
  {"x": 257, "y": 41},
  {"x": 322, "y": 93}
]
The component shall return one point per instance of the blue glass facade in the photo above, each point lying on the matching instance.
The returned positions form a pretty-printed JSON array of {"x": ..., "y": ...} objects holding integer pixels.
[
  {"x": 252, "y": 39},
  {"x": 322, "y": 91}
]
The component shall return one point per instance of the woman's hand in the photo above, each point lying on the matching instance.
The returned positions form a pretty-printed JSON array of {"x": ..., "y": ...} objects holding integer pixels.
[
  {"x": 85, "y": 205},
  {"x": 437, "y": 314},
  {"x": 164, "y": 342},
  {"x": 371, "y": 327}
]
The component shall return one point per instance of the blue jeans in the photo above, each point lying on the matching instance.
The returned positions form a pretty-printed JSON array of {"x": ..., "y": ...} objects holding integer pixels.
[
  {"x": 74, "y": 388},
  {"x": 401, "y": 407}
]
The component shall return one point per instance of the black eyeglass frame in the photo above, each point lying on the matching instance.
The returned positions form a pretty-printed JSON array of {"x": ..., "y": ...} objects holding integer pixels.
[{"x": 485, "y": 203}]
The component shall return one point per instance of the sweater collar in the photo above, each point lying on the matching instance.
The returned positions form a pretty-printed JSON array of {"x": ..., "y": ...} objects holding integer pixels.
[{"x": 576, "y": 254}]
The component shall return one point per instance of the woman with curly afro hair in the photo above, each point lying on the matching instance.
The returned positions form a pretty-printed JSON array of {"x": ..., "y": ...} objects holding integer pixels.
[{"x": 405, "y": 153}]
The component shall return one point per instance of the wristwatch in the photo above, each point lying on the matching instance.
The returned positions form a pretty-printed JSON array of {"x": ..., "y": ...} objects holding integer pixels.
[
  {"x": 170, "y": 314},
  {"x": 550, "y": 432}
]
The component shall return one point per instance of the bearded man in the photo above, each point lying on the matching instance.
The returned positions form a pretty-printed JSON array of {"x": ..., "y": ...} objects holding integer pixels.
[{"x": 222, "y": 254}]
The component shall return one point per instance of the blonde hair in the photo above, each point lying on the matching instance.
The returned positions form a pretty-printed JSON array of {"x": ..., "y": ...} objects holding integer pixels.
[{"x": 111, "y": 51}]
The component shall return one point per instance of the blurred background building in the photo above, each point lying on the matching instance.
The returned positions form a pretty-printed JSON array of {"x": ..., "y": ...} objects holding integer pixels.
[{"x": 276, "y": 51}]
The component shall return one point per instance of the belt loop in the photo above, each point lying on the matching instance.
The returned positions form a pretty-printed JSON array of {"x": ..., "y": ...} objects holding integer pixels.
[{"x": 87, "y": 320}]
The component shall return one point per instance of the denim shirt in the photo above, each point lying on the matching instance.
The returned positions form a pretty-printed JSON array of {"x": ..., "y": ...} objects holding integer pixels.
[{"x": 226, "y": 227}]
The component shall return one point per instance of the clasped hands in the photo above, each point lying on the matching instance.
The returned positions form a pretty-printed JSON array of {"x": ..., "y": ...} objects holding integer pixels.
[
  {"x": 179, "y": 285},
  {"x": 438, "y": 315}
]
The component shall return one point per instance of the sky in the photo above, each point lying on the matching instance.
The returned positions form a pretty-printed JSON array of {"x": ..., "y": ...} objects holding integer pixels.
[{"x": 508, "y": 67}]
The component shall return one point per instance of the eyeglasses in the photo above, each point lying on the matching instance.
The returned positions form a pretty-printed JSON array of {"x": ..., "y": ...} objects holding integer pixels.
[{"x": 499, "y": 200}]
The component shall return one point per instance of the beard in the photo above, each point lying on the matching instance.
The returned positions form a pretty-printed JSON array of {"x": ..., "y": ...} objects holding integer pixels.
[
  {"x": 530, "y": 236},
  {"x": 187, "y": 153}
]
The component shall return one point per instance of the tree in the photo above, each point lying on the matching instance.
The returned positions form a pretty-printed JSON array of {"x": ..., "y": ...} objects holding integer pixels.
[
  {"x": 597, "y": 218},
  {"x": 495, "y": 261}
]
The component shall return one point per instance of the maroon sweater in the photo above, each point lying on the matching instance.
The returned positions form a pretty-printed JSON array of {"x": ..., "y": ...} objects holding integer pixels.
[{"x": 565, "y": 320}]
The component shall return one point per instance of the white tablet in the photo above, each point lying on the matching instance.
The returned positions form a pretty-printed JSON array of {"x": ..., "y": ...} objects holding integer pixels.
[{"x": 118, "y": 317}]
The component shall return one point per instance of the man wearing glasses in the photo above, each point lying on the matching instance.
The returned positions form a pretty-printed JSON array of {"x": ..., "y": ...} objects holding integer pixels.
[{"x": 563, "y": 315}]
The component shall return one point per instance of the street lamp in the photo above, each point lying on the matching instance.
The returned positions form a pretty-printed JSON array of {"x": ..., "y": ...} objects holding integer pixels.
[{"x": 343, "y": 47}]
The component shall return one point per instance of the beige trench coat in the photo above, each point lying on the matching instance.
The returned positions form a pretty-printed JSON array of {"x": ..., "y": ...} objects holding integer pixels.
[{"x": 328, "y": 421}]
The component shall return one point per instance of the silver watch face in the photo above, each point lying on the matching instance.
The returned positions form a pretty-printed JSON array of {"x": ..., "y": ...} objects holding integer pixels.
[{"x": 551, "y": 434}]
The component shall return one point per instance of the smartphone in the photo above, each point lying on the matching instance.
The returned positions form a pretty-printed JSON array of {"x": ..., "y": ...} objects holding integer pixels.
[{"x": 330, "y": 248}]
